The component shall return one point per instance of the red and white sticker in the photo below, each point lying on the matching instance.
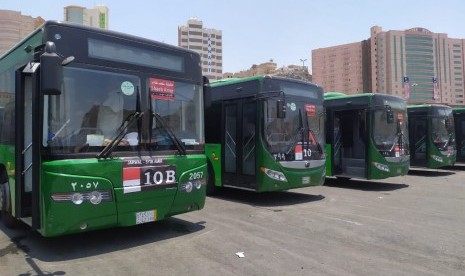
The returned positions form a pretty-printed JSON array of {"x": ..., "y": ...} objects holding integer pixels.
[
  {"x": 147, "y": 174},
  {"x": 298, "y": 152},
  {"x": 161, "y": 89},
  {"x": 310, "y": 109}
]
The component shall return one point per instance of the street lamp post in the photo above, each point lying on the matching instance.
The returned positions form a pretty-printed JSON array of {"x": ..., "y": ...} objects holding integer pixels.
[{"x": 303, "y": 67}]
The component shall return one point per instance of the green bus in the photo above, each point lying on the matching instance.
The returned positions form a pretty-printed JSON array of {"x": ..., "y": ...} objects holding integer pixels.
[
  {"x": 432, "y": 136},
  {"x": 264, "y": 133},
  {"x": 459, "y": 119},
  {"x": 99, "y": 129},
  {"x": 366, "y": 136}
]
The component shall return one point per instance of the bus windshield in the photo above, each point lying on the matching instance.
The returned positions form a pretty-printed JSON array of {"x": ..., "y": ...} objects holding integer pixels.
[
  {"x": 90, "y": 111},
  {"x": 96, "y": 106},
  {"x": 300, "y": 135},
  {"x": 390, "y": 130},
  {"x": 177, "y": 110},
  {"x": 390, "y": 126},
  {"x": 442, "y": 125}
]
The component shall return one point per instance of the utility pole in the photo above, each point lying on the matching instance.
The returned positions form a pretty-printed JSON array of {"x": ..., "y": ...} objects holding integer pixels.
[{"x": 303, "y": 68}]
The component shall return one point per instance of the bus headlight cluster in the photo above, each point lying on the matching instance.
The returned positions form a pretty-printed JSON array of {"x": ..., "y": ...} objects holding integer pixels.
[
  {"x": 189, "y": 186},
  {"x": 94, "y": 197},
  {"x": 382, "y": 167},
  {"x": 274, "y": 174},
  {"x": 436, "y": 158}
]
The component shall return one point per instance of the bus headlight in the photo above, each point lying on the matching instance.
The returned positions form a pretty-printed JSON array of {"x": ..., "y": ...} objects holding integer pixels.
[
  {"x": 190, "y": 185},
  {"x": 437, "y": 158},
  {"x": 382, "y": 167},
  {"x": 274, "y": 174},
  {"x": 197, "y": 184},
  {"x": 77, "y": 198},
  {"x": 94, "y": 197},
  {"x": 186, "y": 187}
]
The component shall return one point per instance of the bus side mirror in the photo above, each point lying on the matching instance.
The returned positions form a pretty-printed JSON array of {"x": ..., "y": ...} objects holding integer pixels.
[
  {"x": 447, "y": 122},
  {"x": 207, "y": 95},
  {"x": 389, "y": 116},
  {"x": 281, "y": 109},
  {"x": 51, "y": 74}
]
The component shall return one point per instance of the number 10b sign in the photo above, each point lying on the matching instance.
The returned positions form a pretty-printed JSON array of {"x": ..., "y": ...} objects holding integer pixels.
[{"x": 139, "y": 179}]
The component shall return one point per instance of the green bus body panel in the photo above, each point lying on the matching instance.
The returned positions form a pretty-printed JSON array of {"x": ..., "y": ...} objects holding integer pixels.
[
  {"x": 85, "y": 175},
  {"x": 395, "y": 168},
  {"x": 365, "y": 100},
  {"x": 329, "y": 160},
  {"x": 441, "y": 159},
  {"x": 295, "y": 177},
  {"x": 213, "y": 152},
  {"x": 435, "y": 158}
]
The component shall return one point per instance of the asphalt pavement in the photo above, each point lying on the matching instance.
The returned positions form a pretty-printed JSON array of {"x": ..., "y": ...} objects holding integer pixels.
[{"x": 409, "y": 225}]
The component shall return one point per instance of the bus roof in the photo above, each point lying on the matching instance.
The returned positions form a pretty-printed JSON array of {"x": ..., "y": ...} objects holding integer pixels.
[
  {"x": 426, "y": 105},
  {"x": 458, "y": 109},
  {"x": 228, "y": 81},
  {"x": 340, "y": 95},
  {"x": 97, "y": 30},
  {"x": 114, "y": 33}
]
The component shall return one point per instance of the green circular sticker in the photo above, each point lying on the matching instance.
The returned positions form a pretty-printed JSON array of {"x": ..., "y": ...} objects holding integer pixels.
[
  {"x": 127, "y": 88},
  {"x": 292, "y": 106}
]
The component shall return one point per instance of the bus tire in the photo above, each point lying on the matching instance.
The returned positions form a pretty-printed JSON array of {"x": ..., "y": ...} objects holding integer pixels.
[
  {"x": 5, "y": 207},
  {"x": 211, "y": 188}
]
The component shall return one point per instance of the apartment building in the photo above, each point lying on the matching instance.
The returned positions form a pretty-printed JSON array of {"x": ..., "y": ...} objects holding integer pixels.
[
  {"x": 207, "y": 42},
  {"x": 340, "y": 68},
  {"x": 417, "y": 64},
  {"x": 96, "y": 17},
  {"x": 14, "y": 27}
]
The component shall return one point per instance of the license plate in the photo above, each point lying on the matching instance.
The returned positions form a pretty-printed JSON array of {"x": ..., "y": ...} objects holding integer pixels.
[{"x": 146, "y": 216}]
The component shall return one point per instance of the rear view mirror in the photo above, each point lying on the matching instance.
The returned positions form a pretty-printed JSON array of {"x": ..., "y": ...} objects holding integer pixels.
[
  {"x": 447, "y": 122},
  {"x": 389, "y": 115},
  {"x": 51, "y": 71},
  {"x": 281, "y": 109}
]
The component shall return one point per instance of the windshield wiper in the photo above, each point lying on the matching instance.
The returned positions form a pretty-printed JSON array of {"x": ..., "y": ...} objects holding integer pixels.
[
  {"x": 305, "y": 132},
  {"x": 123, "y": 130},
  {"x": 54, "y": 136},
  {"x": 164, "y": 125}
]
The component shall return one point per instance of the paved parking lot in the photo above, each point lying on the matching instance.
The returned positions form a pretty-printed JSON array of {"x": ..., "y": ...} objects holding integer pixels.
[{"x": 411, "y": 225}]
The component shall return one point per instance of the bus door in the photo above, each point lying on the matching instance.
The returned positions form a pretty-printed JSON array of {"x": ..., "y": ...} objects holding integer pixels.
[
  {"x": 460, "y": 136},
  {"x": 27, "y": 146},
  {"x": 350, "y": 142},
  {"x": 239, "y": 148},
  {"x": 418, "y": 126}
]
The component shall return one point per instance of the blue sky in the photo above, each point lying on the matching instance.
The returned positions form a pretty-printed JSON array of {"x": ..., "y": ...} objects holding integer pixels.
[{"x": 257, "y": 31}]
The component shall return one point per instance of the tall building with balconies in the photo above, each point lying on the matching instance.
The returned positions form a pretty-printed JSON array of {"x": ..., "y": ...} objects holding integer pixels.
[
  {"x": 340, "y": 68},
  {"x": 96, "y": 17},
  {"x": 207, "y": 42},
  {"x": 14, "y": 27},
  {"x": 416, "y": 64}
]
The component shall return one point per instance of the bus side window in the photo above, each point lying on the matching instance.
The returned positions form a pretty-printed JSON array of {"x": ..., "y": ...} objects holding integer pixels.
[{"x": 7, "y": 134}]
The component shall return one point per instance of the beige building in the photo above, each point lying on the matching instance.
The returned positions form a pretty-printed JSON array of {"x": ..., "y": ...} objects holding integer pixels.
[
  {"x": 417, "y": 64},
  {"x": 14, "y": 27},
  {"x": 96, "y": 17},
  {"x": 270, "y": 68},
  {"x": 340, "y": 68},
  {"x": 207, "y": 42}
]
